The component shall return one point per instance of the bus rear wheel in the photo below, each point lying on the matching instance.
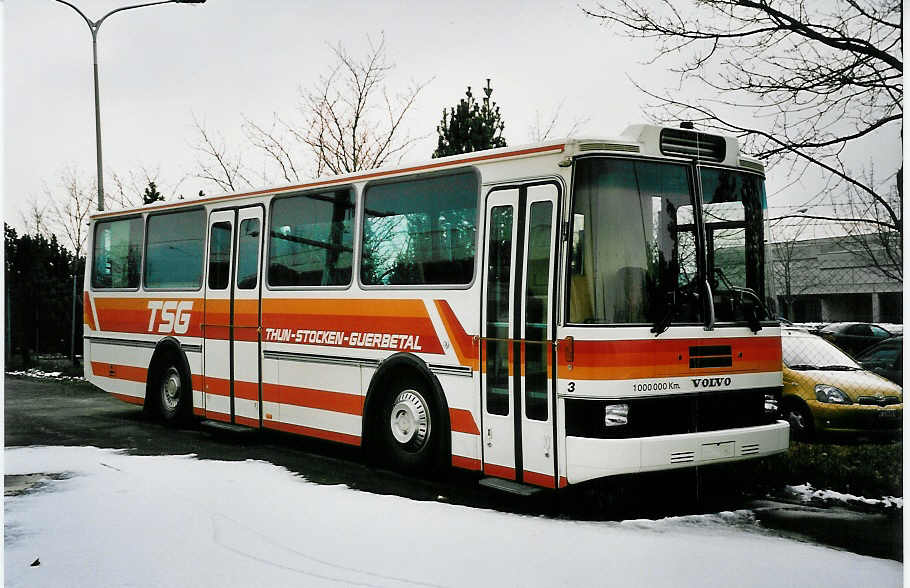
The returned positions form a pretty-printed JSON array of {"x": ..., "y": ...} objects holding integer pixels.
[
  {"x": 410, "y": 426},
  {"x": 173, "y": 392}
]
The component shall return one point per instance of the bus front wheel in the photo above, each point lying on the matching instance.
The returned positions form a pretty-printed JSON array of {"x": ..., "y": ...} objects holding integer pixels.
[
  {"x": 410, "y": 423},
  {"x": 173, "y": 392}
]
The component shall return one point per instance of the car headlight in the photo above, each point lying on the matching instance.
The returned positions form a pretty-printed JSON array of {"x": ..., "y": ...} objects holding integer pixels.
[
  {"x": 831, "y": 395},
  {"x": 616, "y": 415}
]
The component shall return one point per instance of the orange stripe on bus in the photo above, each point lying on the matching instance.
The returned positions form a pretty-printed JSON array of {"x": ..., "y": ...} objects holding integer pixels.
[
  {"x": 539, "y": 479},
  {"x": 466, "y": 463},
  {"x": 499, "y": 471},
  {"x": 87, "y": 316},
  {"x": 619, "y": 360},
  {"x": 119, "y": 372},
  {"x": 465, "y": 346},
  {"x": 246, "y": 390},
  {"x": 130, "y": 399},
  {"x": 392, "y": 308},
  {"x": 311, "y": 432},
  {"x": 312, "y": 398},
  {"x": 463, "y": 421},
  {"x": 246, "y": 421},
  {"x": 217, "y": 386}
]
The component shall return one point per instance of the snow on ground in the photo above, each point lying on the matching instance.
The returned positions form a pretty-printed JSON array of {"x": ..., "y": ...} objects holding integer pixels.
[
  {"x": 119, "y": 520},
  {"x": 43, "y": 375},
  {"x": 807, "y": 493}
]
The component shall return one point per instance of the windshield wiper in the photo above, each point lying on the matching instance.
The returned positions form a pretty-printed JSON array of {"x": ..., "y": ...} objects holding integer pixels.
[
  {"x": 802, "y": 367},
  {"x": 839, "y": 368},
  {"x": 662, "y": 324}
]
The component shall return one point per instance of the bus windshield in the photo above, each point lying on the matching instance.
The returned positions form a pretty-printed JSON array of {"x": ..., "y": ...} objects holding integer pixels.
[
  {"x": 633, "y": 253},
  {"x": 734, "y": 205}
]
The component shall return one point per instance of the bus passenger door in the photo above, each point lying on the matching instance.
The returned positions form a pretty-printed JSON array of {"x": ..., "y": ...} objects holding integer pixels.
[
  {"x": 498, "y": 383},
  {"x": 216, "y": 326},
  {"x": 536, "y": 330},
  {"x": 517, "y": 387},
  {"x": 247, "y": 315}
]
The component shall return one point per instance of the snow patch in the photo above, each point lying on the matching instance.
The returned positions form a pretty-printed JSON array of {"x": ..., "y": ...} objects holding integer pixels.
[
  {"x": 807, "y": 493},
  {"x": 41, "y": 374},
  {"x": 125, "y": 520}
]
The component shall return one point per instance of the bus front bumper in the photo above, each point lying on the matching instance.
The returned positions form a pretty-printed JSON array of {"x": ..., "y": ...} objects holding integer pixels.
[{"x": 587, "y": 459}]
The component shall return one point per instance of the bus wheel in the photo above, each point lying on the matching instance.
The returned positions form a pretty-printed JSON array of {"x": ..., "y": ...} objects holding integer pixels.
[
  {"x": 173, "y": 393},
  {"x": 410, "y": 422}
]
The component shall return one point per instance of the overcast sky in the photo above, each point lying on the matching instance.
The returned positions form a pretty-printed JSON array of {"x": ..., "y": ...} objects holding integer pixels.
[{"x": 161, "y": 65}]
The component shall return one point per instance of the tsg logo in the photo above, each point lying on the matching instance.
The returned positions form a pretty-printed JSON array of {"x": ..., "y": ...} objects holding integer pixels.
[
  {"x": 711, "y": 382},
  {"x": 175, "y": 315}
]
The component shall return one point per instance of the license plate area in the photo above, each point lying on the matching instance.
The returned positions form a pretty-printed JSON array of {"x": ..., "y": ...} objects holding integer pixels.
[{"x": 720, "y": 450}]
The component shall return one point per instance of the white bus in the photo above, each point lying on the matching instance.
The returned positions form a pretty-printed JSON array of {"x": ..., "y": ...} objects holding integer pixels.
[{"x": 546, "y": 314}]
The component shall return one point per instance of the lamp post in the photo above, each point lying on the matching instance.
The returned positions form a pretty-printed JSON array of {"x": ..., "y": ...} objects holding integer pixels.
[{"x": 94, "y": 27}]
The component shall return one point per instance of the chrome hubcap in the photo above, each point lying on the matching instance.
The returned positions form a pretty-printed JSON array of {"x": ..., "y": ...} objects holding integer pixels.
[
  {"x": 170, "y": 388},
  {"x": 410, "y": 420}
]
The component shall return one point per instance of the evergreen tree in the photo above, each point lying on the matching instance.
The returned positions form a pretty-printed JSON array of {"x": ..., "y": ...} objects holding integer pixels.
[
  {"x": 151, "y": 195},
  {"x": 470, "y": 126}
]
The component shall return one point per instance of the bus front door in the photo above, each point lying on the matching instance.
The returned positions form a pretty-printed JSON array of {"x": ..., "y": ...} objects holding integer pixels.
[
  {"x": 517, "y": 389},
  {"x": 233, "y": 317}
]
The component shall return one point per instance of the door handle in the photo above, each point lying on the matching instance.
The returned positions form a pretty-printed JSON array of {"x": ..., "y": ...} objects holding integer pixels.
[{"x": 489, "y": 437}]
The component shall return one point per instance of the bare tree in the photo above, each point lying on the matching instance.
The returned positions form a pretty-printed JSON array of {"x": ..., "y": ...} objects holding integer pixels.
[
  {"x": 126, "y": 190},
  {"x": 217, "y": 165},
  {"x": 70, "y": 209},
  {"x": 352, "y": 121},
  {"x": 799, "y": 81},
  {"x": 545, "y": 128},
  {"x": 35, "y": 218}
]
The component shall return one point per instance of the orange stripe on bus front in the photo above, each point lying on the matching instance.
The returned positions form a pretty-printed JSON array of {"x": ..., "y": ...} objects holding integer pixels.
[
  {"x": 312, "y": 398},
  {"x": 620, "y": 360}
]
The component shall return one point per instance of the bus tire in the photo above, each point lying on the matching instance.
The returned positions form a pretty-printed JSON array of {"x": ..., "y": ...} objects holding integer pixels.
[
  {"x": 410, "y": 426},
  {"x": 172, "y": 391}
]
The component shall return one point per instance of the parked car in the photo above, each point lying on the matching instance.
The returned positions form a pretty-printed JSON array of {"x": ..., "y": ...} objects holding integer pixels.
[
  {"x": 885, "y": 359},
  {"x": 854, "y": 337},
  {"x": 825, "y": 390}
]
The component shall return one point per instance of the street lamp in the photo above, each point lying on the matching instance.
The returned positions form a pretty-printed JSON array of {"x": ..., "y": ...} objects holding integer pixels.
[{"x": 94, "y": 26}]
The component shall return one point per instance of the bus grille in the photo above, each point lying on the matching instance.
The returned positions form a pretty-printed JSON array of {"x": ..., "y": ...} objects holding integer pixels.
[{"x": 671, "y": 415}]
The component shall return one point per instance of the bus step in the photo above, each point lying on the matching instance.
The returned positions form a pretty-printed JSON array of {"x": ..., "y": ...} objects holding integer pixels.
[
  {"x": 222, "y": 427},
  {"x": 510, "y": 486}
]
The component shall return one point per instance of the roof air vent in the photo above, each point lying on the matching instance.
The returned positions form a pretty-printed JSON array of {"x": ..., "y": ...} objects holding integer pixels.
[{"x": 688, "y": 143}]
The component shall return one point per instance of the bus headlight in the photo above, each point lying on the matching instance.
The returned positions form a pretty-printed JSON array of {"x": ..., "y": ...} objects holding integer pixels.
[
  {"x": 616, "y": 415},
  {"x": 771, "y": 405}
]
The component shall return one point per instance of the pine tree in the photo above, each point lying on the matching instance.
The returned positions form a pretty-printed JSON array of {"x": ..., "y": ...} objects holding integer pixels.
[
  {"x": 151, "y": 195},
  {"x": 470, "y": 126}
]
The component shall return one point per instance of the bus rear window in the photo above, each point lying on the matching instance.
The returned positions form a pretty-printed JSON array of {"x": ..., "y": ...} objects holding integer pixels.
[
  {"x": 420, "y": 231},
  {"x": 116, "y": 254},
  {"x": 174, "y": 250}
]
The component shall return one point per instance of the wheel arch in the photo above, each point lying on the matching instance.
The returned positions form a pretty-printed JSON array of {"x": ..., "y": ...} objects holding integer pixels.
[
  {"x": 167, "y": 347},
  {"x": 411, "y": 365}
]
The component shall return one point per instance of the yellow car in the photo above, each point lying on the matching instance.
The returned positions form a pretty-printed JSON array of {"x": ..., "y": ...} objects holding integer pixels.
[{"x": 825, "y": 390}]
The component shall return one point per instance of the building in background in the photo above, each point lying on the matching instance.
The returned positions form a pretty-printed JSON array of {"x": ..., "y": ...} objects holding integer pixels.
[{"x": 827, "y": 280}]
